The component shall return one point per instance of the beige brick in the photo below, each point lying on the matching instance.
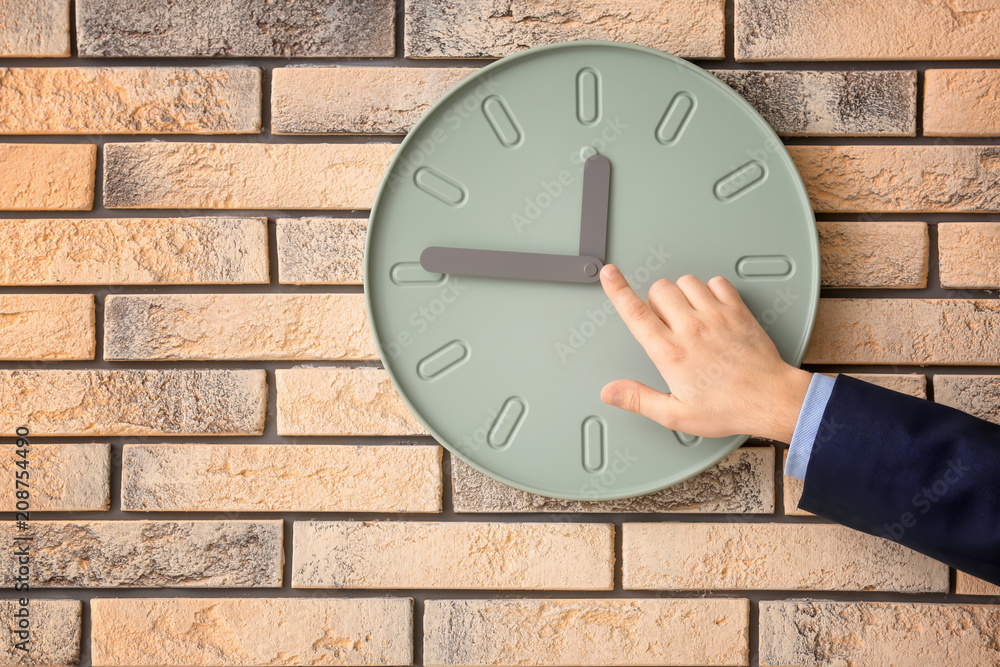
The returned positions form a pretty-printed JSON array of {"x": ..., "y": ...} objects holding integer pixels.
[
  {"x": 336, "y": 401},
  {"x": 865, "y": 30},
  {"x": 356, "y": 100},
  {"x": 133, "y": 251},
  {"x": 242, "y": 175},
  {"x": 966, "y": 584},
  {"x": 824, "y": 633},
  {"x": 969, "y": 254},
  {"x": 900, "y": 178},
  {"x": 246, "y": 632},
  {"x": 54, "y": 632},
  {"x": 281, "y": 478},
  {"x": 129, "y": 100},
  {"x": 146, "y": 554},
  {"x": 978, "y": 395},
  {"x": 62, "y": 478},
  {"x": 914, "y": 385},
  {"x": 906, "y": 331},
  {"x": 873, "y": 254},
  {"x": 771, "y": 556},
  {"x": 237, "y": 28},
  {"x": 321, "y": 251},
  {"x": 47, "y": 177},
  {"x": 47, "y": 326},
  {"x": 491, "y": 29},
  {"x": 848, "y": 102},
  {"x": 961, "y": 102},
  {"x": 37, "y": 28},
  {"x": 477, "y": 555},
  {"x": 743, "y": 482},
  {"x": 237, "y": 326},
  {"x": 693, "y": 631},
  {"x": 133, "y": 402}
]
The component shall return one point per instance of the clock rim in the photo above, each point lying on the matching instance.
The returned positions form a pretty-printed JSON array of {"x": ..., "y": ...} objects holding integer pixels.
[{"x": 471, "y": 81}]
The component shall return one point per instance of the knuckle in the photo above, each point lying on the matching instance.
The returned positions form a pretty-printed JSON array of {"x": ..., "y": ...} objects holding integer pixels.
[
  {"x": 659, "y": 286},
  {"x": 637, "y": 309},
  {"x": 698, "y": 327},
  {"x": 687, "y": 278},
  {"x": 631, "y": 400}
]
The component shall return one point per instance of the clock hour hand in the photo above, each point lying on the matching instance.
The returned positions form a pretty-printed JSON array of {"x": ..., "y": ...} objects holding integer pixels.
[
  {"x": 594, "y": 215},
  {"x": 504, "y": 264}
]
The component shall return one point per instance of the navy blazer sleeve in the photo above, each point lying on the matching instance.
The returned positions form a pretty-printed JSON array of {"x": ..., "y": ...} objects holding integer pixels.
[{"x": 910, "y": 470}]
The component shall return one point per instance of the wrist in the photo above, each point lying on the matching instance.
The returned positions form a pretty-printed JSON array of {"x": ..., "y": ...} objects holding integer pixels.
[{"x": 791, "y": 394}]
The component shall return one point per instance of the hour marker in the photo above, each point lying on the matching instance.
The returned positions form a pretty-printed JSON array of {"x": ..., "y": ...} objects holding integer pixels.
[
  {"x": 502, "y": 121},
  {"x": 443, "y": 360},
  {"x": 764, "y": 266},
  {"x": 675, "y": 118},
  {"x": 687, "y": 439},
  {"x": 439, "y": 186},
  {"x": 411, "y": 273},
  {"x": 507, "y": 422},
  {"x": 595, "y": 444},
  {"x": 588, "y": 96},
  {"x": 740, "y": 180}
]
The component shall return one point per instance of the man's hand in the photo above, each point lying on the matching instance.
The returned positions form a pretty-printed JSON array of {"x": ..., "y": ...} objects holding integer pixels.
[{"x": 724, "y": 373}]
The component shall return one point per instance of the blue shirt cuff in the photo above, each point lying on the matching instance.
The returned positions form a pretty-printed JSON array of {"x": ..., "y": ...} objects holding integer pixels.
[{"x": 810, "y": 416}]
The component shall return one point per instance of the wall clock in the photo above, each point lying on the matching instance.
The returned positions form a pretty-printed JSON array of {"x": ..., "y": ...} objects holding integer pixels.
[{"x": 498, "y": 210}]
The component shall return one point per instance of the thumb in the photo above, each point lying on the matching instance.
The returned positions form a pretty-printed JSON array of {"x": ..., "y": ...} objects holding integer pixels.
[{"x": 641, "y": 399}]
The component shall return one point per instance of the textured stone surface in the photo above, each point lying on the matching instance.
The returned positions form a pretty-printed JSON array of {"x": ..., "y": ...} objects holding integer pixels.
[
  {"x": 63, "y": 478},
  {"x": 865, "y": 30},
  {"x": 906, "y": 331},
  {"x": 237, "y": 326},
  {"x": 133, "y": 251},
  {"x": 47, "y": 177},
  {"x": 356, "y": 100},
  {"x": 246, "y": 28},
  {"x": 961, "y": 102},
  {"x": 771, "y": 556},
  {"x": 240, "y": 175},
  {"x": 900, "y": 178},
  {"x": 281, "y": 478},
  {"x": 495, "y": 28},
  {"x": 146, "y": 554},
  {"x": 47, "y": 326},
  {"x": 978, "y": 395},
  {"x": 55, "y": 627},
  {"x": 129, "y": 100},
  {"x": 873, "y": 254},
  {"x": 966, "y": 584},
  {"x": 877, "y": 634},
  {"x": 247, "y": 632},
  {"x": 743, "y": 482},
  {"x": 587, "y": 632},
  {"x": 335, "y": 401},
  {"x": 133, "y": 402},
  {"x": 969, "y": 254},
  {"x": 36, "y": 28},
  {"x": 914, "y": 385},
  {"x": 323, "y": 251},
  {"x": 854, "y": 103},
  {"x": 459, "y": 554}
]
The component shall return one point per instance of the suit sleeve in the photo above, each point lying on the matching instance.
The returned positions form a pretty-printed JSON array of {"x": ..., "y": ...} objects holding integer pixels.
[{"x": 913, "y": 471}]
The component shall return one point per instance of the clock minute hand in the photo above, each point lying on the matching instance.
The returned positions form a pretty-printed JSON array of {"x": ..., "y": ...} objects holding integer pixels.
[
  {"x": 504, "y": 264},
  {"x": 594, "y": 214}
]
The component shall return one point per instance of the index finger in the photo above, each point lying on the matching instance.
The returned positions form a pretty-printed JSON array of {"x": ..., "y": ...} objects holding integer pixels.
[{"x": 638, "y": 316}]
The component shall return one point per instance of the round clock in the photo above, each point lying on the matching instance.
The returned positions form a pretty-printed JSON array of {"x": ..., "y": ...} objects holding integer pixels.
[{"x": 495, "y": 216}]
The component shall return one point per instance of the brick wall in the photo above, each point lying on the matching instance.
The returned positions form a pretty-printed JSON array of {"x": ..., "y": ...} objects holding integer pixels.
[{"x": 222, "y": 473}]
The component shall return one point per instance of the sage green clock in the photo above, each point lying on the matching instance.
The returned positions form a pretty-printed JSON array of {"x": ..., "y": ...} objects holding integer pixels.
[{"x": 498, "y": 211}]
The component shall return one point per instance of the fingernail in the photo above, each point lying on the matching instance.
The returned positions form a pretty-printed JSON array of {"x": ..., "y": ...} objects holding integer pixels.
[
  {"x": 615, "y": 396},
  {"x": 610, "y": 271}
]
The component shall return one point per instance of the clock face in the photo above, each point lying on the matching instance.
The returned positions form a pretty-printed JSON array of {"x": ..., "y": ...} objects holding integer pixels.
[{"x": 506, "y": 372}]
